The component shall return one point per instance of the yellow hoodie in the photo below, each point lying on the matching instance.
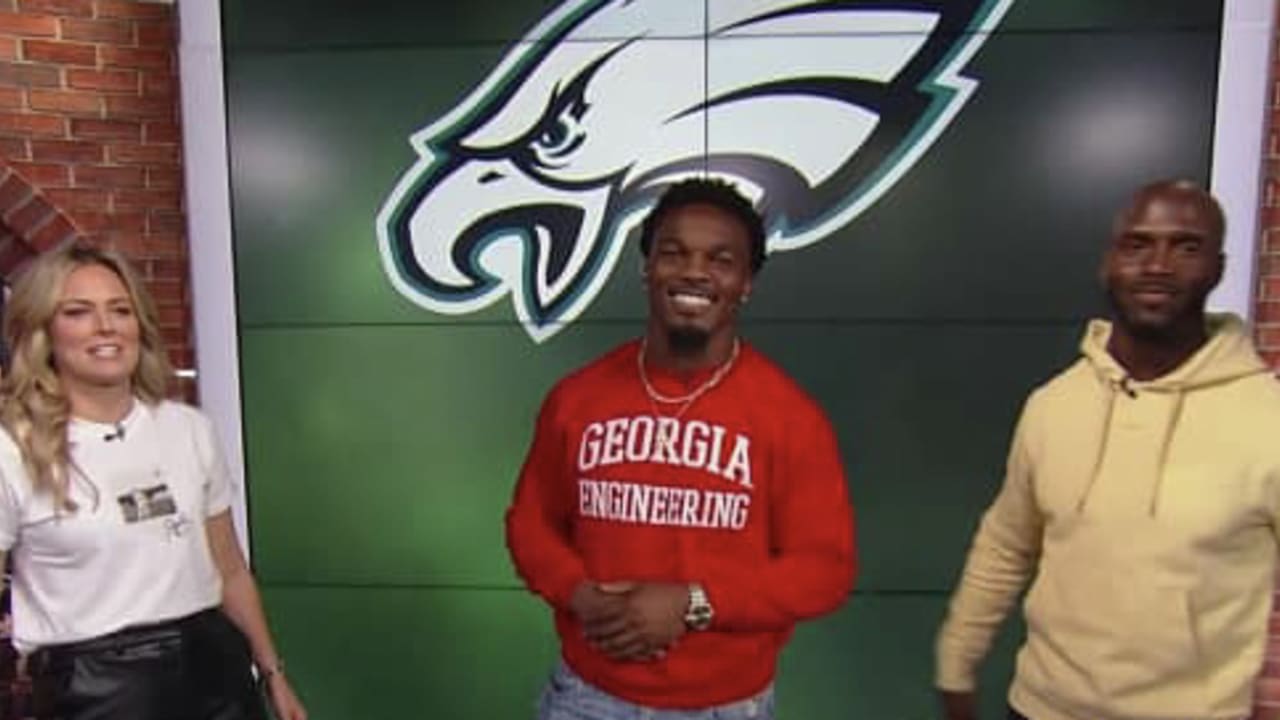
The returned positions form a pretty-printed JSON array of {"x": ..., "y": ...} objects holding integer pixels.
[{"x": 1149, "y": 513}]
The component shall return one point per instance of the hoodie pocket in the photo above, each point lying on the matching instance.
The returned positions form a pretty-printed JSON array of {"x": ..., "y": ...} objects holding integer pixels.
[{"x": 1112, "y": 641}]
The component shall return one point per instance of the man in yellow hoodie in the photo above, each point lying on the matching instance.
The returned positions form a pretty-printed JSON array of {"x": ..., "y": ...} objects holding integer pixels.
[{"x": 1142, "y": 501}]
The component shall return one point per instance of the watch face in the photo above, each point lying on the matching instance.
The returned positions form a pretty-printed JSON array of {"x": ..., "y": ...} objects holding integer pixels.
[
  {"x": 699, "y": 616},
  {"x": 699, "y": 619}
]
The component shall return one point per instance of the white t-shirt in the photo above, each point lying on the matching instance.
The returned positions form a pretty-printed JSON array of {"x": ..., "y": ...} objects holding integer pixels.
[{"x": 135, "y": 550}]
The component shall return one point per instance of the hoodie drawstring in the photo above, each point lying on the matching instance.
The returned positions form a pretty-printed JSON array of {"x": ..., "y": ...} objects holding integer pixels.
[
  {"x": 1162, "y": 458},
  {"x": 1102, "y": 448},
  {"x": 1165, "y": 443}
]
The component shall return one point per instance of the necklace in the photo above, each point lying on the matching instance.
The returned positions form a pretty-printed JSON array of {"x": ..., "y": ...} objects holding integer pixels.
[
  {"x": 657, "y": 397},
  {"x": 684, "y": 401}
]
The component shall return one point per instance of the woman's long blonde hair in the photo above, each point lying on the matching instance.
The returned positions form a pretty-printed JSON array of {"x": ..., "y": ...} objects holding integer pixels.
[{"x": 34, "y": 406}]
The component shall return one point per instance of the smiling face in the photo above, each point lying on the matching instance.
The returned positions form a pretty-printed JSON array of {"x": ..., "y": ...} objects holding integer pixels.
[
  {"x": 94, "y": 331},
  {"x": 699, "y": 271},
  {"x": 1164, "y": 259}
]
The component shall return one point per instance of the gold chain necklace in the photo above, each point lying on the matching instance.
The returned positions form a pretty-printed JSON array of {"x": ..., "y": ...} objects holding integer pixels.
[{"x": 685, "y": 401}]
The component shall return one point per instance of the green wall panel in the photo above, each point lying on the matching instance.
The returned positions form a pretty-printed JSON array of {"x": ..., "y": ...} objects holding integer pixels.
[
  {"x": 366, "y": 652},
  {"x": 874, "y": 659},
  {"x": 333, "y": 25},
  {"x": 421, "y": 499},
  {"x": 302, "y": 25}
]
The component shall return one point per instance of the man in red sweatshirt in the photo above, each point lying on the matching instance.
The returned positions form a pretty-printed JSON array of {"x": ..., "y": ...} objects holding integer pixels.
[{"x": 683, "y": 502}]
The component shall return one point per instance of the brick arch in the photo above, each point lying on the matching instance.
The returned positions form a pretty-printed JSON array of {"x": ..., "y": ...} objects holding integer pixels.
[{"x": 29, "y": 223}]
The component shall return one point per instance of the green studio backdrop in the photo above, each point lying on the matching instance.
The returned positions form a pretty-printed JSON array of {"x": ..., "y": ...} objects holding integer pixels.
[{"x": 383, "y": 439}]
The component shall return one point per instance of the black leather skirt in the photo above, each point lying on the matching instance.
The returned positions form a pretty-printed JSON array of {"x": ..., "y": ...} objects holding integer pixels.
[{"x": 194, "y": 668}]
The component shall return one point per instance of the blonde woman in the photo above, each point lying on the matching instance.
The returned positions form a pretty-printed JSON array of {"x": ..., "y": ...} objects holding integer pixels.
[{"x": 130, "y": 592}]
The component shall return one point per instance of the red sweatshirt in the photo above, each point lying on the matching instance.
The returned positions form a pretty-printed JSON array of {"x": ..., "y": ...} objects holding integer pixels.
[{"x": 748, "y": 499}]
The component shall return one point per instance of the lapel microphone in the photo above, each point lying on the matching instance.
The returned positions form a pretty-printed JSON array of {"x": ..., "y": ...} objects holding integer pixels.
[{"x": 117, "y": 434}]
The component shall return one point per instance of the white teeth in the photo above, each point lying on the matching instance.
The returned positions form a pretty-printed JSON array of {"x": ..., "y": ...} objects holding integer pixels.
[
  {"x": 105, "y": 351},
  {"x": 691, "y": 300}
]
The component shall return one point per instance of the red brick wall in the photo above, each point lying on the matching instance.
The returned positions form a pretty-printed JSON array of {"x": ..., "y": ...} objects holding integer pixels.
[
  {"x": 90, "y": 144},
  {"x": 1267, "y": 312},
  {"x": 1267, "y": 322}
]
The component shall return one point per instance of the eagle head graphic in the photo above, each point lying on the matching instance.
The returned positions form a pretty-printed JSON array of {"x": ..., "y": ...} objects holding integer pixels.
[{"x": 530, "y": 186}]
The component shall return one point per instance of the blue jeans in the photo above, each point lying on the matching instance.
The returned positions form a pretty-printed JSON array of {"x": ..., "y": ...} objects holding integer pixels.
[{"x": 569, "y": 697}]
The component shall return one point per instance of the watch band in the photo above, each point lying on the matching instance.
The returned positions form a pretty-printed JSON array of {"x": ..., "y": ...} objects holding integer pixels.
[{"x": 699, "y": 612}]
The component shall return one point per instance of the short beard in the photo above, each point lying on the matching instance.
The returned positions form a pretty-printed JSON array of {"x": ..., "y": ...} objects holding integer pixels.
[
  {"x": 687, "y": 342},
  {"x": 1152, "y": 334}
]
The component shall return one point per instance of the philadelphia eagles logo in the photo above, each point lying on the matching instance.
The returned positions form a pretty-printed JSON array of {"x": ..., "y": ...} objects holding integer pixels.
[{"x": 531, "y": 185}]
